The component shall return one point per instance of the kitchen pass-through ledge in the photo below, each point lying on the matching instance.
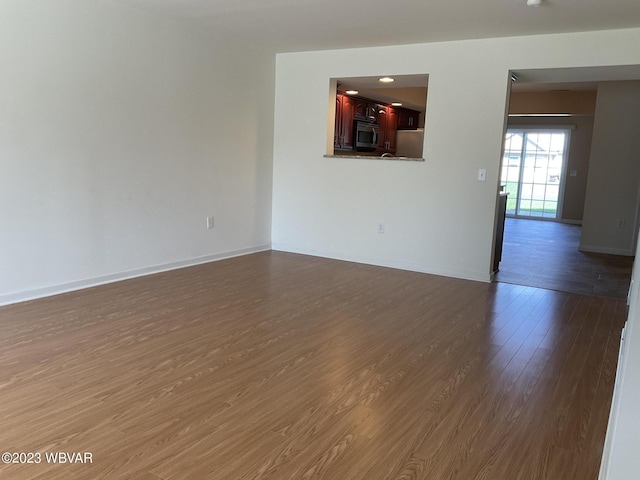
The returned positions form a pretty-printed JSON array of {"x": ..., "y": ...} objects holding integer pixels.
[{"x": 373, "y": 157}]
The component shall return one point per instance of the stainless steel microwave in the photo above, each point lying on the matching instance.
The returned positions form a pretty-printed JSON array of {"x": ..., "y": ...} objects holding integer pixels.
[{"x": 366, "y": 135}]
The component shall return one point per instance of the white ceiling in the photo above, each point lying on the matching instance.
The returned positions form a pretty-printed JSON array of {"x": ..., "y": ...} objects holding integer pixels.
[
  {"x": 410, "y": 90},
  {"x": 586, "y": 78},
  {"x": 298, "y": 25}
]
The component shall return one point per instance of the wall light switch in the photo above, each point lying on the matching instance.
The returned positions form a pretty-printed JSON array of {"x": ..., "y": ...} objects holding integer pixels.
[
  {"x": 482, "y": 174},
  {"x": 209, "y": 222}
]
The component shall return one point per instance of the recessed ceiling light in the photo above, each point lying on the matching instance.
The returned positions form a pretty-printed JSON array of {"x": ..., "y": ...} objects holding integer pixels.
[
  {"x": 396, "y": 104},
  {"x": 534, "y": 3},
  {"x": 386, "y": 79},
  {"x": 351, "y": 92}
]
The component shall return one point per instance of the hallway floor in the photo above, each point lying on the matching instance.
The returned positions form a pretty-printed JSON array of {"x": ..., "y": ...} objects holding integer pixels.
[{"x": 545, "y": 255}]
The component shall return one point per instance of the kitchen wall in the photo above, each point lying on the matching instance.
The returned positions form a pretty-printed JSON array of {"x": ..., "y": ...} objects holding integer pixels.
[
  {"x": 438, "y": 217},
  {"x": 119, "y": 133},
  {"x": 613, "y": 189}
]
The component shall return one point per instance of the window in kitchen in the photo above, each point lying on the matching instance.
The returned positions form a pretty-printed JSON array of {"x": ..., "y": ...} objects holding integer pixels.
[{"x": 380, "y": 116}]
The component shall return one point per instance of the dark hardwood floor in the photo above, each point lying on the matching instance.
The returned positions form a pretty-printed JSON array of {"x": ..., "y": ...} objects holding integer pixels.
[
  {"x": 545, "y": 254},
  {"x": 283, "y": 366}
]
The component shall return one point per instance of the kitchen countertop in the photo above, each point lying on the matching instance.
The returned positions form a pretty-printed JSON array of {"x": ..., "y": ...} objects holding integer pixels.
[{"x": 373, "y": 157}]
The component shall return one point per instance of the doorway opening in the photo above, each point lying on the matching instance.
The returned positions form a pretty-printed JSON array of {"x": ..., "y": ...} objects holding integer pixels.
[
  {"x": 533, "y": 171},
  {"x": 555, "y": 117}
]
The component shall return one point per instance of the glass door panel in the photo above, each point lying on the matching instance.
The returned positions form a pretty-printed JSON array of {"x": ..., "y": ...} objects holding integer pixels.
[
  {"x": 511, "y": 164},
  {"x": 532, "y": 169}
]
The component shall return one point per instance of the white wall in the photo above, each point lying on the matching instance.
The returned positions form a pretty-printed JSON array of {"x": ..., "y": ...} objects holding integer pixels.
[
  {"x": 614, "y": 171},
  {"x": 438, "y": 217},
  {"x": 119, "y": 133},
  {"x": 620, "y": 457}
]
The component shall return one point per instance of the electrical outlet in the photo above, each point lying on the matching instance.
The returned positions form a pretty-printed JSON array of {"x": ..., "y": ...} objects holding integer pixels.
[
  {"x": 482, "y": 174},
  {"x": 381, "y": 228},
  {"x": 209, "y": 222},
  {"x": 621, "y": 222}
]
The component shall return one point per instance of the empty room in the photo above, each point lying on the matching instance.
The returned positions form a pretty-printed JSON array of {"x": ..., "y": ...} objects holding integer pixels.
[{"x": 255, "y": 240}]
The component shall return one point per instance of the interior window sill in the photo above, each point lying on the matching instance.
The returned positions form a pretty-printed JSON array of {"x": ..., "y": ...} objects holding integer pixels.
[{"x": 374, "y": 157}]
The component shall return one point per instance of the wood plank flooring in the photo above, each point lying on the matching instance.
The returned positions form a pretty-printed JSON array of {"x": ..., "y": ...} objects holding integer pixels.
[
  {"x": 545, "y": 254},
  {"x": 282, "y": 366}
]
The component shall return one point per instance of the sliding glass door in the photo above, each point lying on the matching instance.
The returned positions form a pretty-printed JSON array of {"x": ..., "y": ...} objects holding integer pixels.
[{"x": 533, "y": 171}]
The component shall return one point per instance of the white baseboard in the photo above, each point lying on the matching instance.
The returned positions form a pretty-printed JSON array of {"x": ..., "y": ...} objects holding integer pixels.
[
  {"x": 36, "y": 293},
  {"x": 611, "y": 251},
  {"x": 400, "y": 265}
]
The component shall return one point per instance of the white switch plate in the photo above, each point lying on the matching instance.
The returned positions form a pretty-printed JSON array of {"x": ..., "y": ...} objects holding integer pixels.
[
  {"x": 573, "y": 173},
  {"x": 482, "y": 174},
  {"x": 209, "y": 222}
]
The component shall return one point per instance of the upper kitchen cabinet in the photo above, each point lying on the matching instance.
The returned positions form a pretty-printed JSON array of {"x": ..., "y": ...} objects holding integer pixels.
[
  {"x": 343, "y": 132},
  {"x": 366, "y": 110},
  {"x": 408, "y": 119},
  {"x": 388, "y": 121}
]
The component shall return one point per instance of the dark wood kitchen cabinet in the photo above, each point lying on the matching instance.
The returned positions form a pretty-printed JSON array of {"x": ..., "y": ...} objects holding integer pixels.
[
  {"x": 408, "y": 119},
  {"x": 365, "y": 110},
  {"x": 343, "y": 133},
  {"x": 388, "y": 121}
]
